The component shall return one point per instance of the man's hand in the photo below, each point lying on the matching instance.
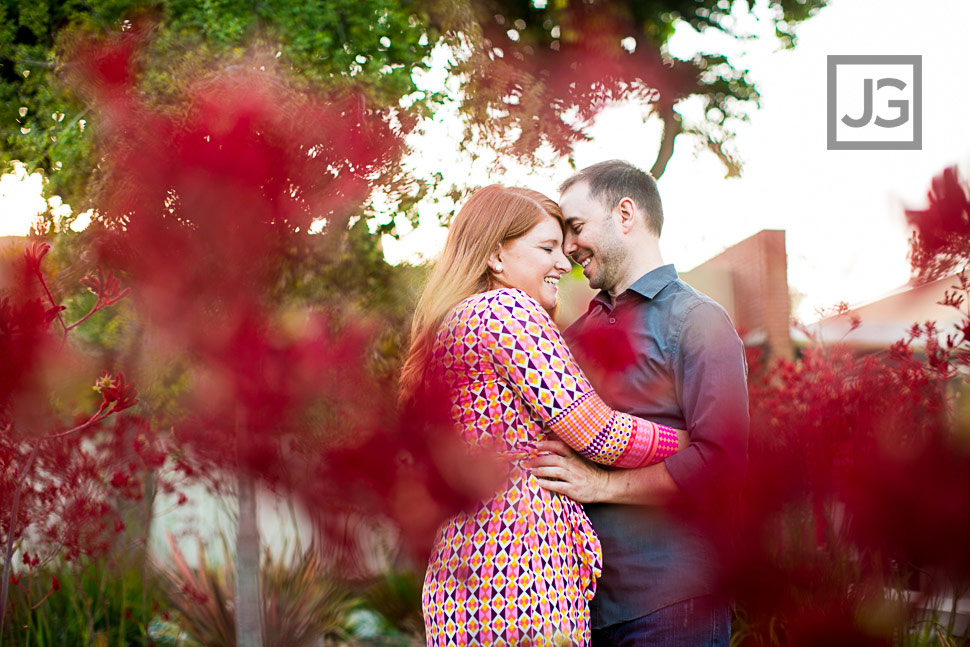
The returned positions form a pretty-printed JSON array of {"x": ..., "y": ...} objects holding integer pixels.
[{"x": 566, "y": 472}]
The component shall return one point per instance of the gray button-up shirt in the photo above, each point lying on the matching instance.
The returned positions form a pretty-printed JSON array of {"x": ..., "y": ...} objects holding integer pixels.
[{"x": 687, "y": 370}]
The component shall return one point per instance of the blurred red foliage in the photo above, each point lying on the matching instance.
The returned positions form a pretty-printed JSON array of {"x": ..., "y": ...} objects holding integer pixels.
[
  {"x": 859, "y": 475},
  {"x": 201, "y": 210},
  {"x": 941, "y": 231},
  {"x": 53, "y": 458}
]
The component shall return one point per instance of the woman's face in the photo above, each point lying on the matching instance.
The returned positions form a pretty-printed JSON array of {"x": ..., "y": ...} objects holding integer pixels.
[{"x": 534, "y": 262}]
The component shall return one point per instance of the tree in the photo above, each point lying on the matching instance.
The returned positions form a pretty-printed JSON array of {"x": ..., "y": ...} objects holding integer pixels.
[
  {"x": 538, "y": 72},
  {"x": 532, "y": 73},
  {"x": 374, "y": 45}
]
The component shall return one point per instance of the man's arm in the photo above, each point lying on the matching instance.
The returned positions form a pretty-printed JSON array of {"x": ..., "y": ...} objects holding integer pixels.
[
  {"x": 711, "y": 384},
  {"x": 711, "y": 376}
]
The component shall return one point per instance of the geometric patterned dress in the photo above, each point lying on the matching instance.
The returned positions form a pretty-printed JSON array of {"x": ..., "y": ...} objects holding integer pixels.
[{"x": 521, "y": 568}]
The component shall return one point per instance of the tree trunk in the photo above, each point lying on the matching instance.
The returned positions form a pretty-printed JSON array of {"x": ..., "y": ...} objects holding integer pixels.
[
  {"x": 672, "y": 128},
  {"x": 249, "y": 601},
  {"x": 249, "y": 608}
]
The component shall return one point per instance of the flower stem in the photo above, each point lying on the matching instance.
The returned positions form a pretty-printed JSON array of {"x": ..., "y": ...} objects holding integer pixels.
[{"x": 8, "y": 554}]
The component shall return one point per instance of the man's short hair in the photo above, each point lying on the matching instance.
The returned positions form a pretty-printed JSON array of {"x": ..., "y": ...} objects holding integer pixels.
[{"x": 611, "y": 181}]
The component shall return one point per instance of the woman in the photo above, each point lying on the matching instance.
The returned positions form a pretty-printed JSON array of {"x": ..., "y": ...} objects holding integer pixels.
[{"x": 521, "y": 567}]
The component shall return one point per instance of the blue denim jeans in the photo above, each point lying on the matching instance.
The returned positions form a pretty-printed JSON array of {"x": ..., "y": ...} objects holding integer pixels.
[{"x": 698, "y": 622}]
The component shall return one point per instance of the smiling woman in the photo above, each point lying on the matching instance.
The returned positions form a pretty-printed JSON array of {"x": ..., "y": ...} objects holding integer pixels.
[
  {"x": 489, "y": 225},
  {"x": 533, "y": 263}
]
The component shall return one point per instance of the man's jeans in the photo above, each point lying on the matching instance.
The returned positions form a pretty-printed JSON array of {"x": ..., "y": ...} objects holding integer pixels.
[{"x": 693, "y": 623}]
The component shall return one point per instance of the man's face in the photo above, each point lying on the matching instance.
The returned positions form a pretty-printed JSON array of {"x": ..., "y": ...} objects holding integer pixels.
[{"x": 592, "y": 237}]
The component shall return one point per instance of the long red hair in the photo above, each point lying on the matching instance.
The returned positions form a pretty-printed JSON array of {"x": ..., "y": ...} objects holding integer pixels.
[{"x": 492, "y": 215}]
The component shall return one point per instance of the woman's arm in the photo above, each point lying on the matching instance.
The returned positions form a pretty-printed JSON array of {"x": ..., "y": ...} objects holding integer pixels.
[{"x": 528, "y": 351}]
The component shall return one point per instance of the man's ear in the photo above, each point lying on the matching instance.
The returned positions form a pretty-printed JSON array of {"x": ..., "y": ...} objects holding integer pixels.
[
  {"x": 627, "y": 210},
  {"x": 495, "y": 260}
]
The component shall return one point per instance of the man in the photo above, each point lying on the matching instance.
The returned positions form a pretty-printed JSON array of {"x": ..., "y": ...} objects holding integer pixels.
[{"x": 687, "y": 370}]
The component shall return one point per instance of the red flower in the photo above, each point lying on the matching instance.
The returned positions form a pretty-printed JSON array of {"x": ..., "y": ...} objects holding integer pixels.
[
  {"x": 105, "y": 286},
  {"x": 941, "y": 237},
  {"x": 116, "y": 390},
  {"x": 119, "y": 479},
  {"x": 33, "y": 255}
]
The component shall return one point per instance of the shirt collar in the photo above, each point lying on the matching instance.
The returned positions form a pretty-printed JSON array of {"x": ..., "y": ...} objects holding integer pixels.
[{"x": 649, "y": 285}]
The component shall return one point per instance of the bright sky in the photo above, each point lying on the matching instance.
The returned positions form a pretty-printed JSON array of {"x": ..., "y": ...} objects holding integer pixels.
[{"x": 842, "y": 210}]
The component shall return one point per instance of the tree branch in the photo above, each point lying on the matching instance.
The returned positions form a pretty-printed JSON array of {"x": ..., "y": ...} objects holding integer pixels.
[
  {"x": 102, "y": 413},
  {"x": 672, "y": 128},
  {"x": 731, "y": 163}
]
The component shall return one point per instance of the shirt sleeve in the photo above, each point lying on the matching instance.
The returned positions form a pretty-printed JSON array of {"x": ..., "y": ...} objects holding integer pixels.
[
  {"x": 712, "y": 388},
  {"x": 528, "y": 351}
]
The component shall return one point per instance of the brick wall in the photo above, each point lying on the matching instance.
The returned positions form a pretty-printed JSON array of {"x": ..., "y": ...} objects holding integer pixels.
[{"x": 750, "y": 279}]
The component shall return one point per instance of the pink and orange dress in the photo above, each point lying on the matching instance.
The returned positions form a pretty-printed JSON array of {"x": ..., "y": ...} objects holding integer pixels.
[{"x": 521, "y": 568}]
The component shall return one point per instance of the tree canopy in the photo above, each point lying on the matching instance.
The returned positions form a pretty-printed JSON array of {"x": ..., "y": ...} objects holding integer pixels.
[
  {"x": 539, "y": 71},
  {"x": 374, "y": 45},
  {"x": 532, "y": 72}
]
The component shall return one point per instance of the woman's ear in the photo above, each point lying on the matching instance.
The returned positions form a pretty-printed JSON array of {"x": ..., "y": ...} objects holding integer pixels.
[{"x": 495, "y": 260}]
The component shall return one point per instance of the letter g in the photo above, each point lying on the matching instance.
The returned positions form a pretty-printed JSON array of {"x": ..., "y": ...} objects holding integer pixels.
[{"x": 900, "y": 104}]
